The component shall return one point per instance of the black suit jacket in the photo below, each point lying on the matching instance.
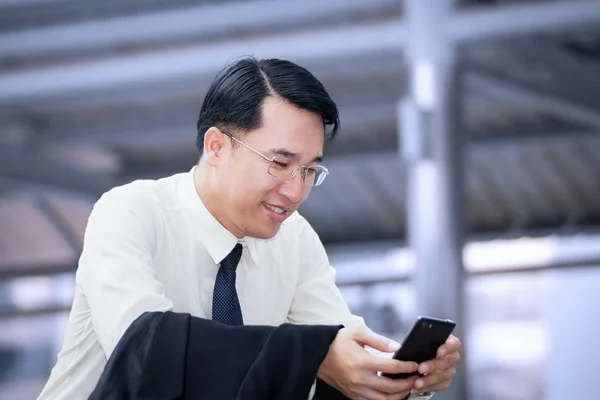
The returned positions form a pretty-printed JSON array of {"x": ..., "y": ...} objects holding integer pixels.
[{"x": 169, "y": 356}]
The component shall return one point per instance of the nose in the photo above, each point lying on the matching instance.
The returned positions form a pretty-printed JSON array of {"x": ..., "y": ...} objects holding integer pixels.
[{"x": 294, "y": 189}]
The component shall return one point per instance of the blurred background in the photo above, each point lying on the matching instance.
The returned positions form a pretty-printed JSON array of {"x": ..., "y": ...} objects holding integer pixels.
[{"x": 465, "y": 182}]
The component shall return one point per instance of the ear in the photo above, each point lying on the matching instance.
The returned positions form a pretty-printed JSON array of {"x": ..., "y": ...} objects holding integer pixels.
[{"x": 214, "y": 142}]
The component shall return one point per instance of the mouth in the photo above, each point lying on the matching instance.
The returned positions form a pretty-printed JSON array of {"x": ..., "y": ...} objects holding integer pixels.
[
  {"x": 276, "y": 214},
  {"x": 278, "y": 210}
]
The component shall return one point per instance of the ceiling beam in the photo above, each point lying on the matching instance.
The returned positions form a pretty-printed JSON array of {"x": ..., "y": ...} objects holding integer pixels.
[
  {"x": 181, "y": 23},
  {"x": 476, "y": 23},
  {"x": 58, "y": 222},
  {"x": 21, "y": 3},
  {"x": 14, "y": 312},
  {"x": 371, "y": 127},
  {"x": 518, "y": 94},
  {"x": 310, "y": 45},
  {"x": 519, "y": 19},
  {"x": 9, "y": 271},
  {"x": 173, "y": 127},
  {"x": 569, "y": 75},
  {"x": 386, "y": 151},
  {"x": 517, "y": 138},
  {"x": 197, "y": 60},
  {"x": 28, "y": 165}
]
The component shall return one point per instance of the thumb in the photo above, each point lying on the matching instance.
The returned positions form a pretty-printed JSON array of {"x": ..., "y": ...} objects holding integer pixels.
[{"x": 367, "y": 337}]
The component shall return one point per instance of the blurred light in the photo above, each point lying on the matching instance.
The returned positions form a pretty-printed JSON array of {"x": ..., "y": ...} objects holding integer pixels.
[
  {"x": 424, "y": 85},
  {"x": 498, "y": 254},
  {"x": 400, "y": 259},
  {"x": 508, "y": 343},
  {"x": 39, "y": 292}
]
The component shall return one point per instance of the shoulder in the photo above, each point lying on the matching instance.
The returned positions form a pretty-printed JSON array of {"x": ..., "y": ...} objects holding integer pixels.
[
  {"x": 144, "y": 191},
  {"x": 135, "y": 209},
  {"x": 144, "y": 197}
]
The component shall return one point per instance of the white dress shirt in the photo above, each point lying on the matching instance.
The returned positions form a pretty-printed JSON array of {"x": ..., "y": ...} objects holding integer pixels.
[{"x": 153, "y": 246}]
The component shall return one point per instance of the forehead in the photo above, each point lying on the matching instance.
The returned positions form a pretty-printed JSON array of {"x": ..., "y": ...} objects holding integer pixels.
[{"x": 282, "y": 120}]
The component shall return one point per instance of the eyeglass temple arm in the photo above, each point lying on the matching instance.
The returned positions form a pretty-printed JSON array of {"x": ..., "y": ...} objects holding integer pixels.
[{"x": 246, "y": 146}]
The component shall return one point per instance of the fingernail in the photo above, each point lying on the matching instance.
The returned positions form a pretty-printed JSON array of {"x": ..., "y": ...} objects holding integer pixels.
[
  {"x": 393, "y": 345},
  {"x": 424, "y": 368},
  {"x": 419, "y": 384},
  {"x": 442, "y": 352}
]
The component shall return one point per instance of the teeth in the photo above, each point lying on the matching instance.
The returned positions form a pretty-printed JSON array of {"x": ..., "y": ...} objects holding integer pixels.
[{"x": 276, "y": 209}]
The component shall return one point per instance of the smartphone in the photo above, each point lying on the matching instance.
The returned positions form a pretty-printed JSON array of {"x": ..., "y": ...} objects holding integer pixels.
[{"x": 422, "y": 342}]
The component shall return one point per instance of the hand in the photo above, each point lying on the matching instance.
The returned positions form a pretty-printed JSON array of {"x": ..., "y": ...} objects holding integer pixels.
[
  {"x": 350, "y": 369},
  {"x": 441, "y": 370}
]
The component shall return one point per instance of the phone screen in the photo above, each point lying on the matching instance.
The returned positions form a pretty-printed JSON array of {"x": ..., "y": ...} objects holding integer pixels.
[{"x": 422, "y": 342}]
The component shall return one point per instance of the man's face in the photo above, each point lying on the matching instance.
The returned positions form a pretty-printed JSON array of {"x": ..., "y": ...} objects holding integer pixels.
[{"x": 253, "y": 199}]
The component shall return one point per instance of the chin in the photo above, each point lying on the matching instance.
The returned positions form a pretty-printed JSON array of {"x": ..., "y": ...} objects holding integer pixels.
[{"x": 264, "y": 232}]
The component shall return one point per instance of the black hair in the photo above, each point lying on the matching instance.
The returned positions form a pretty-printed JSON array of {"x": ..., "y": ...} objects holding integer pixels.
[{"x": 235, "y": 97}]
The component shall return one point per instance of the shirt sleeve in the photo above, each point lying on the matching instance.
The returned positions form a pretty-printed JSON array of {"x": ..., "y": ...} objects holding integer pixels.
[
  {"x": 317, "y": 299},
  {"x": 116, "y": 270}
]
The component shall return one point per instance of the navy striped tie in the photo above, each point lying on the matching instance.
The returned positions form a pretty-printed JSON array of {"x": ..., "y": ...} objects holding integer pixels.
[{"x": 226, "y": 306}]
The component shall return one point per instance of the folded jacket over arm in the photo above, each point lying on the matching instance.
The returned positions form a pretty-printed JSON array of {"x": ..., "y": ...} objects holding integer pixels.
[{"x": 171, "y": 356}]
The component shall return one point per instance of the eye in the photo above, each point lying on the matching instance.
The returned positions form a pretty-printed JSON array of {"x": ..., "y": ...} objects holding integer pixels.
[{"x": 280, "y": 164}]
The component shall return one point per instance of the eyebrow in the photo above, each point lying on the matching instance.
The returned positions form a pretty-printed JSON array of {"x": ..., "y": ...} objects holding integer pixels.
[{"x": 294, "y": 156}]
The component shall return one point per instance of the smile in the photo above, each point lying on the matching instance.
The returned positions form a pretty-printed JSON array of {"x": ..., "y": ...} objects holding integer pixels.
[{"x": 276, "y": 209}]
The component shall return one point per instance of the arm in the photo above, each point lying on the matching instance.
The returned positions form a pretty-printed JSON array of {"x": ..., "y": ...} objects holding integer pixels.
[
  {"x": 318, "y": 300},
  {"x": 348, "y": 367},
  {"x": 116, "y": 272}
]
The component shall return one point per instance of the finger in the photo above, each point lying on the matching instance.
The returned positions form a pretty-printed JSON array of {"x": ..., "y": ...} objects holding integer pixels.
[
  {"x": 434, "y": 382},
  {"x": 452, "y": 345},
  {"x": 366, "y": 392},
  {"x": 439, "y": 363},
  {"x": 392, "y": 386},
  {"x": 440, "y": 387},
  {"x": 390, "y": 365},
  {"x": 367, "y": 337}
]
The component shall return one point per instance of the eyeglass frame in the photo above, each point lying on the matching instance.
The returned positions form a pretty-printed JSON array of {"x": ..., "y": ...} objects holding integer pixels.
[{"x": 301, "y": 167}]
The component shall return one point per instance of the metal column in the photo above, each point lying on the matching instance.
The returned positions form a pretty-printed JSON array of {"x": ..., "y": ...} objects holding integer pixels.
[{"x": 431, "y": 144}]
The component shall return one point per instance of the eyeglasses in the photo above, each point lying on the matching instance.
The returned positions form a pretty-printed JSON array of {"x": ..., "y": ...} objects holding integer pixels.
[{"x": 284, "y": 168}]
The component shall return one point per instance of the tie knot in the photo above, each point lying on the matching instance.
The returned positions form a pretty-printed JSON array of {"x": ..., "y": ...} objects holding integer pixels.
[{"x": 233, "y": 258}]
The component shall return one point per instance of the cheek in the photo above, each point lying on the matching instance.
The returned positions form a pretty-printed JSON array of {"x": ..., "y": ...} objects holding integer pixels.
[
  {"x": 242, "y": 174},
  {"x": 252, "y": 185}
]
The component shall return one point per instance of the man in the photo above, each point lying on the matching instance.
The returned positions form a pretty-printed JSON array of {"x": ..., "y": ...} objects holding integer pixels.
[{"x": 224, "y": 244}]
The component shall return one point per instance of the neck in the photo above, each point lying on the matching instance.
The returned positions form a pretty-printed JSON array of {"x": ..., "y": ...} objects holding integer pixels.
[{"x": 205, "y": 186}]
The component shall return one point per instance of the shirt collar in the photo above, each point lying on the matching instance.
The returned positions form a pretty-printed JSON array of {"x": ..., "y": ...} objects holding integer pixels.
[{"x": 217, "y": 240}]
